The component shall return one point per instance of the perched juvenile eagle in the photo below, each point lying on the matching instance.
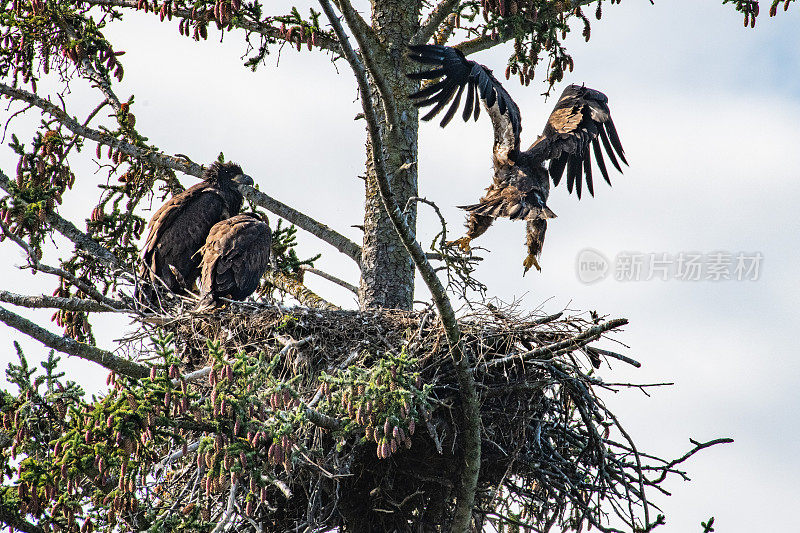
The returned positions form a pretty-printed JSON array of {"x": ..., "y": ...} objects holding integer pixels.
[
  {"x": 180, "y": 227},
  {"x": 520, "y": 186},
  {"x": 234, "y": 257}
]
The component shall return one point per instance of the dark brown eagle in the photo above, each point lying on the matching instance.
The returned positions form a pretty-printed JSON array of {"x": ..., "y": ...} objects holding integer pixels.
[
  {"x": 180, "y": 227},
  {"x": 520, "y": 187},
  {"x": 234, "y": 257}
]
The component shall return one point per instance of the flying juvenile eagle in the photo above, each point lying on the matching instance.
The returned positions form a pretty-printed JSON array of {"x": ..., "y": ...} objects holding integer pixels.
[
  {"x": 521, "y": 186},
  {"x": 234, "y": 257},
  {"x": 180, "y": 227}
]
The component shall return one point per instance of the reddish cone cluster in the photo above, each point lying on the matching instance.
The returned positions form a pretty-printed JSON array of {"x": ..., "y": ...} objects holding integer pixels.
[
  {"x": 297, "y": 35},
  {"x": 381, "y": 401}
]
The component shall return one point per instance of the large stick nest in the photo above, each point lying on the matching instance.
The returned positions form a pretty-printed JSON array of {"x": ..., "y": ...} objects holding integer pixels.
[{"x": 352, "y": 388}]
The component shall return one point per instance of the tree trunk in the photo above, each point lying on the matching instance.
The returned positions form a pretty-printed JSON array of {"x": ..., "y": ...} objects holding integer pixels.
[{"x": 387, "y": 278}]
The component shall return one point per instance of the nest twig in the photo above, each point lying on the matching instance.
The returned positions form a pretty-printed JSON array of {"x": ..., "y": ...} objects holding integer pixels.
[{"x": 553, "y": 453}]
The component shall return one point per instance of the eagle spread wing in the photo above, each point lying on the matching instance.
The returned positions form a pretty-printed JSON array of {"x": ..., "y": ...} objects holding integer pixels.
[
  {"x": 234, "y": 258},
  {"x": 458, "y": 73},
  {"x": 580, "y": 118}
]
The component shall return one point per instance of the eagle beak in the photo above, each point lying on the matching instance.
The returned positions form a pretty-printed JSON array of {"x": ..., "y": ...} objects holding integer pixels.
[{"x": 243, "y": 179}]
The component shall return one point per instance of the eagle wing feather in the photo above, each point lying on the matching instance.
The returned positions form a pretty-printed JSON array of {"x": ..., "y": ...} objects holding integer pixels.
[
  {"x": 458, "y": 73},
  {"x": 178, "y": 229},
  {"x": 234, "y": 258},
  {"x": 580, "y": 116}
]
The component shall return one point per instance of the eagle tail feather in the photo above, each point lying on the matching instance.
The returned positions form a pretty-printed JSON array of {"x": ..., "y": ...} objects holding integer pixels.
[{"x": 492, "y": 208}]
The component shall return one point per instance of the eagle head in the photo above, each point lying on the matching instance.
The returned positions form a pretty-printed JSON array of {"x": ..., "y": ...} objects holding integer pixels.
[
  {"x": 227, "y": 172},
  {"x": 255, "y": 215}
]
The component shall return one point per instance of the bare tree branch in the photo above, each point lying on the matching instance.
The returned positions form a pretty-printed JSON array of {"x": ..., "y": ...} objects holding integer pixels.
[
  {"x": 75, "y": 136},
  {"x": 81, "y": 240},
  {"x": 356, "y": 22},
  {"x": 321, "y": 419},
  {"x": 299, "y": 291},
  {"x": 177, "y": 455},
  {"x": 68, "y": 304},
  {"x": 485, "y": 42},
  {"x": 274, "y": 32},
  {"x": 431, "y": 24},
  {"x": 87, "y": 289},
  {"x": 557, "y": 348},
  {"x": 89, "y": 72},
  {"x": 479, "y": 44},
  {"x": 368, "y": 45},
  {"x": 445, "y": 30},
  {"x": 197, "y": 374},
  {"x": 157, "y": 159},
  {"x": 41, "y": 267},
  {"x": 645, "y": 504},
  {"x": 160, "y": 159},
  {"x": 72, "y": 347},
  {"x": 471, "y": 431},
  {"x": 305, "y": 222},
  {"x": 223, "y": 523},
  {"x": 697, "y": 447},
  {"x": 331, "y": 278},
  {"x": 290, "y": 344},
  {"x": 614, "y": 355}
]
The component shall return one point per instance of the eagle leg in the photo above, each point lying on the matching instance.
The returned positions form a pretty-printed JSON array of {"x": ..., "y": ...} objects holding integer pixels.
[
  {"x": 530, "y": 261},
  {"x": 476, "y": 226},
  {"x": 462, "y": 243}
]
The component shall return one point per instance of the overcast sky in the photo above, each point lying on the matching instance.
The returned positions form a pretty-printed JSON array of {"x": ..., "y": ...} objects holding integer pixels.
[{"x": 709, "y": 115}]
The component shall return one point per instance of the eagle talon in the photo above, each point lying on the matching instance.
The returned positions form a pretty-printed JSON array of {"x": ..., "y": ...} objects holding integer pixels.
[
  {"x": 462, "y": 243},
  {"x": 529, "y": 262}
]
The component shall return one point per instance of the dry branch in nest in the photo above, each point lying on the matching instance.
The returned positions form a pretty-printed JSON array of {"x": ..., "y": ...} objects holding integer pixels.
[{"x": 312, "y": 420}]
